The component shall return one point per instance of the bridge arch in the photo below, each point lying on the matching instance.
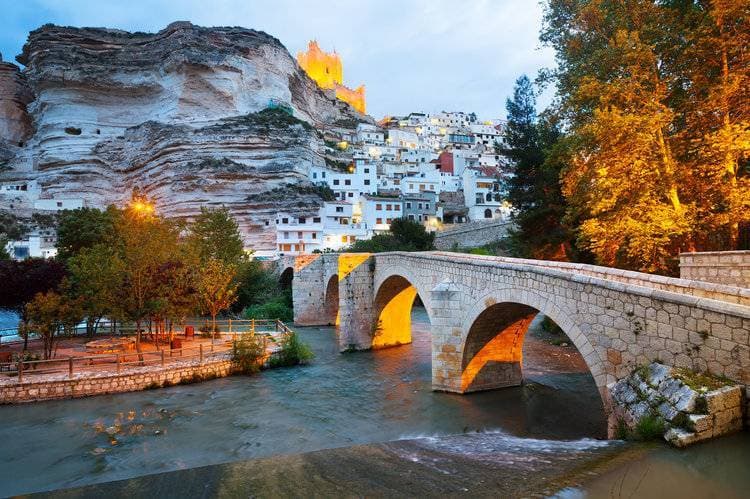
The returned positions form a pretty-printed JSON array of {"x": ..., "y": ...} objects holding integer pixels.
[
  {"x": 395, "y": 292},
  {"x": 286, "y": 277},
  {"x": 493, "y": 333},
  {"x": 331, "y": 301}
]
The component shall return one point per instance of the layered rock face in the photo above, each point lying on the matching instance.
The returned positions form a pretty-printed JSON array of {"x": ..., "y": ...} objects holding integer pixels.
[
  {"x": 15, "y": 95},
  {"x": 192, "y": 116}
]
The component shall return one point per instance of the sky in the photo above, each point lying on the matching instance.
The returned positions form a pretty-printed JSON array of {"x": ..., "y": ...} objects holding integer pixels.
[{"x": 412, "y": 55}]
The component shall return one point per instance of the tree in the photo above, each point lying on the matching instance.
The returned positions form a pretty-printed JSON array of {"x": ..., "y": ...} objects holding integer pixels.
[
  {"x": 623, "y": 178},
  {"x": 656, "y": 101},
  {"x": 404, "y": 235},
  {"x": 96, "y": 277},
  {"x": 50, "y": 312},
  {"x": 83, "y": 228},
  {"x": 216, "y": 235},
  {"x": 216, "y": 288},
  {"x": 22, "y": 280},
  {"x": 145, "y": 245},
  {"x": 534, "y": 188}
]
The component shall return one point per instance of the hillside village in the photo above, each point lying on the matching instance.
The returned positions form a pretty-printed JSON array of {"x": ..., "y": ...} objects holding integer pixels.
[
  {"x": 435, "y": 169},
  {"x": 438, "y": 170}
]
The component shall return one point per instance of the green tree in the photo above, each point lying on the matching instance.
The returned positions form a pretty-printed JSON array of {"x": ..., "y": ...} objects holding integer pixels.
[
  {"x": 83, "y": 228},
  {"x": 146, "y": 244},
  {"x": 216, "y": 235},
  {"x": 404, "y": 235},
  {"x": 534, "y": 188},
  {"x": 216, "y": 288},
  {"x": 48, "y": 313},
  {"x": 96, "y": 277}
]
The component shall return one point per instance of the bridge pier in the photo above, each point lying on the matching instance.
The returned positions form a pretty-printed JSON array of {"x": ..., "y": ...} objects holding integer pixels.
[{"x": 356, "y": 298}]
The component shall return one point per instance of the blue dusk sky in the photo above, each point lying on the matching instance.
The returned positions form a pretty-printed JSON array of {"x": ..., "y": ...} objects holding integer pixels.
[{"x": 412, "y": 55}]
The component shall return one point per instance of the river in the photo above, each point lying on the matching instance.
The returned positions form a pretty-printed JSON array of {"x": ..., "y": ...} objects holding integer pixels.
[{"x": 540, "y": 429}]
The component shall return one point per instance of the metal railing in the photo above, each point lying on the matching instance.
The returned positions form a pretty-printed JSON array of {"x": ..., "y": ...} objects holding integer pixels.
[{"x": 221, "y": 343}]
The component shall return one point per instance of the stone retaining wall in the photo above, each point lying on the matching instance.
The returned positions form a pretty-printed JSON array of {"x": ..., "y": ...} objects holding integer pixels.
[
  {"x": 731, "y": 268},
  {"x": 88, "y": 384},
  {"x": 471, "y": 235}
]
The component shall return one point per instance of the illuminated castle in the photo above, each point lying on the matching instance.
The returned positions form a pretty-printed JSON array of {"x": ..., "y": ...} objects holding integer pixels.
[{"x": 328, "y": 71}]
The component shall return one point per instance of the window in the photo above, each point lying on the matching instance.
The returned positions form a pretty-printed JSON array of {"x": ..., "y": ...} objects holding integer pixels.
[
  {"x": 315, "y": 174},
  {"x": 299, "y": 235},
  {"x": 335, "y": 181},
  {"x": 379, "y": 221},
  {"x": 343, "y": 239},
  {"x": 427, "y": 206},
  {"x": 488, "y": 213},
  {"x": 314, "y": 235},
  {"x": 344, "y": 221},
  {"x": 323, "y": 174},
  {"x": 420, "y": 218},
  {"x": 367, "y": 170},
  {"x": 387, "y": 207},
  {"x": 285, "y": 220},
  {"x": 339, "y": 209},
  {"x": 397, "y": 207},
  {"x": 286, "y": 235},
  {"x": 411, "y": 217},
  {"x": 347, "y": 182},
  {"x": 421, "y": 187},
  {"x": 408, "y": 207},
  {"x": 302, "y": 220},
  {"x": 378, "y": 206},
  {"x": 266, "y": 223},
  {"x": 367, "y": 181},
  {"x": 316, "y": 220},
  {"x": 419, "y": 206},
  {"x": 351, "y": 194},
  {"x": 59, "y": 204},
  {"x": 388, "y": 221}
]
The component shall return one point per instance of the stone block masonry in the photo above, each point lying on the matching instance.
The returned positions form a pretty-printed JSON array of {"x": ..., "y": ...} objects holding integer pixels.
[
  {"x": 471, "y": 235},
  {"x": 131, "y": 380},
  {"x": 479, "y": 308},
  {"x": 731, "y": 268}
]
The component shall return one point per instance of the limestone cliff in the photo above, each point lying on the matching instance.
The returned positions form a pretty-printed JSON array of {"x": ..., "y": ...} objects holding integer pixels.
[{"x": 191, "y": 115}]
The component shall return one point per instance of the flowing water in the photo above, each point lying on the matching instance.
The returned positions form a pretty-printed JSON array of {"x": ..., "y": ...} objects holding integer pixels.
[{"x": 338, "y": 401}]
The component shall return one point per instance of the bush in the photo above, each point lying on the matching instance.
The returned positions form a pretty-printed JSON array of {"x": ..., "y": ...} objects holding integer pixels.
[
  {"x": 277, "y": 308},
  {"x": 293, "y": 352},
  {"x": 650, "y": 427},
  {"x": 247, "y": 354}
]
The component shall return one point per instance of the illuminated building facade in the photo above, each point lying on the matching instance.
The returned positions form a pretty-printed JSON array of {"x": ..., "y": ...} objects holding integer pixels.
[{"x": 328, "y": 72}]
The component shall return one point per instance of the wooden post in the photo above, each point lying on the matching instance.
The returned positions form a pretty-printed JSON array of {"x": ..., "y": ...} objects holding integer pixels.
[
  {"x": 201, "y": 352},
  {"x": 252, "y": 326},
  {"x": 230, "y": 326},
  {"x": 162, "y": 358},
  {"x": 70, "y": 367}
]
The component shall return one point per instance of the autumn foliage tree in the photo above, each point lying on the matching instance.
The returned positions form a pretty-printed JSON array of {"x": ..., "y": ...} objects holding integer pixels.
[{"x": 655, "y": 99}]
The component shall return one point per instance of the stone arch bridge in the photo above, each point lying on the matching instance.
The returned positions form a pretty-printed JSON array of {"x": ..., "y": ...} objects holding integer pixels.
[{"x": 480, "y": 308}]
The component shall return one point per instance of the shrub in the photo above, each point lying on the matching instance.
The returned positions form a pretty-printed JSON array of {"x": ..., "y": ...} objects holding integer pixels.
[
  {"x": 247, "y": 354},
  {"x": 277, "y": 308},
  {"x": 293, "y": 352},
  {"x": 650, "y": 427}
]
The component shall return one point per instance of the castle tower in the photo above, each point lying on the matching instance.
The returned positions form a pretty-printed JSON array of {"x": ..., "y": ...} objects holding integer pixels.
[{"x": 327, "y": 71}]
